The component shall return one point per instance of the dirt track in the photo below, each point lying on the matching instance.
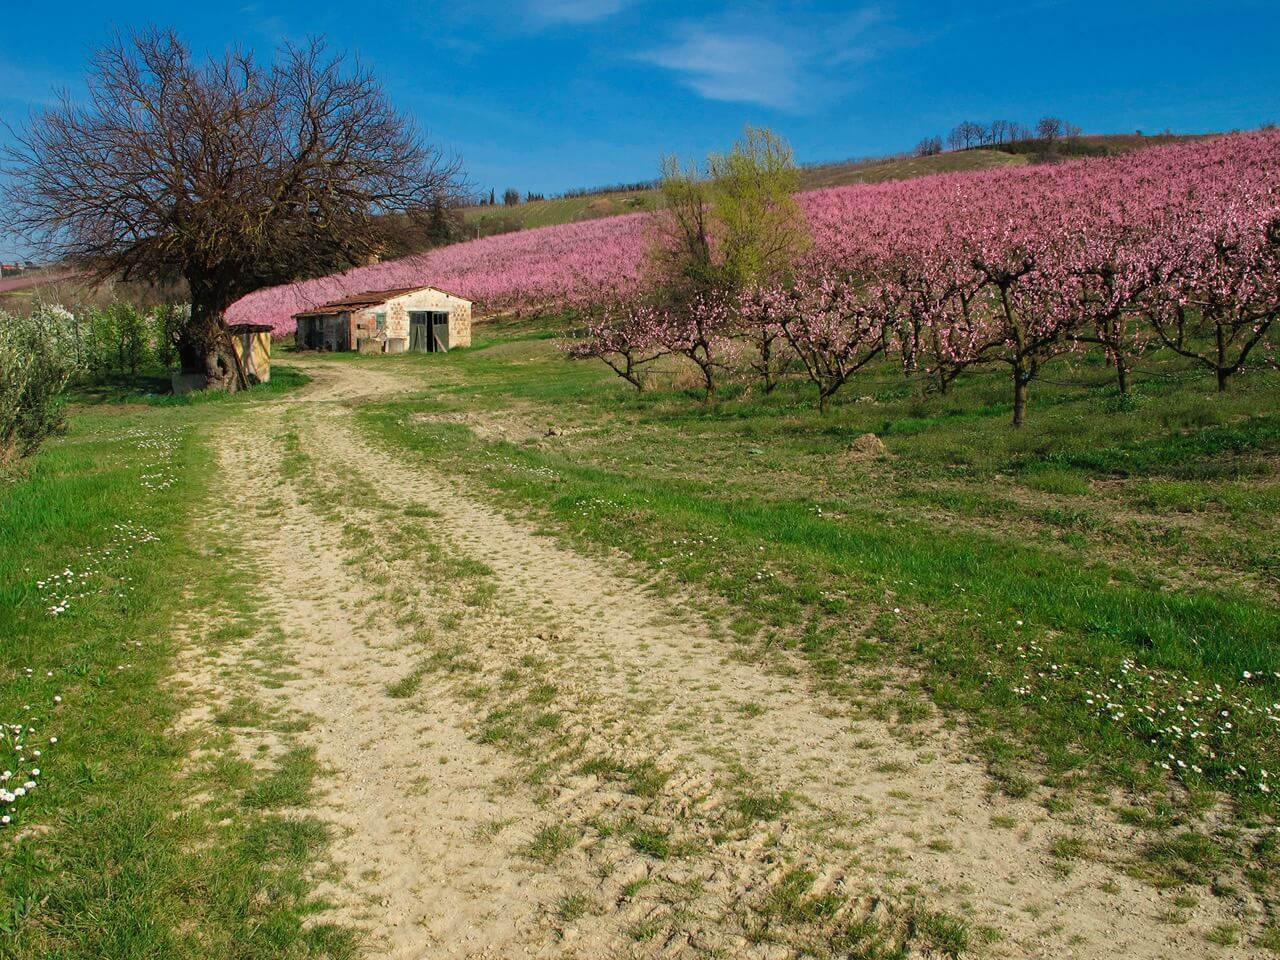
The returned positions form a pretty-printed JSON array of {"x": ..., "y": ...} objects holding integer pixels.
[{"x": 529, "y": 753}]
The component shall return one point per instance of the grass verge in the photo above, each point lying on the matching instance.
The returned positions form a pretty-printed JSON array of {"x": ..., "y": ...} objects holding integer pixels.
[{"x": 125, "y": 848}]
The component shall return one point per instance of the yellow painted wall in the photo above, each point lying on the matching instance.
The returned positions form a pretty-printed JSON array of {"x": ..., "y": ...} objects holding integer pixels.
[{"x": 254, "y": 351}]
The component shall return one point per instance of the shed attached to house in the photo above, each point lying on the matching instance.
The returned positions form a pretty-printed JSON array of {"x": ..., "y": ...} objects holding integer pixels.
[{"x": 419, "y": 319}]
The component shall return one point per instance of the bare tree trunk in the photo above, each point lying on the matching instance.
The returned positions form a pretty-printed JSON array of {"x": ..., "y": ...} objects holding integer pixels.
[
  {"x": 203, "y": 346},
  {"x": 1020, "y": 381},
  {"x": 1222, "y": 370},
  {"x": 709, "y": 382},
  {"x": 766, "y": 358},
  {"x": 1122, "y": 374},
  {"x": 825, "y": 393}
]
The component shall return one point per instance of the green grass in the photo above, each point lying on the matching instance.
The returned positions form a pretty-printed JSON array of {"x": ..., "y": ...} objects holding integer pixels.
[
  {"x": 762, "y": 806},
  {"x": 1224, "y": 935},
  {"x": 152, "y": 387},
  {"x": 1067, "y": 847},
  {"x": 406, "y": 686},
  {"x": 651, "y": 843},
  {"x": 573, "y": 906},
  {"x": 791, "y": 901},
  {"x": 946, "y": 934},
  {"x": 550, "y": 843},
  {"x": 1015, "y": 571},
  {"x": 126, "y": 849},
  {"x": 289, "y": 785}
]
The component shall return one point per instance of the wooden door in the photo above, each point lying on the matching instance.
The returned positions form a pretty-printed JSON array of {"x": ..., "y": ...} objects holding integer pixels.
[
  {"x": 419, "y": 332},
  {"x": 440, "y": 332}
]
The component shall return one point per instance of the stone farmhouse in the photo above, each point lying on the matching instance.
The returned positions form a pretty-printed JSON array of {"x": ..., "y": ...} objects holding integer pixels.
[{"x": 417, "y": 319}]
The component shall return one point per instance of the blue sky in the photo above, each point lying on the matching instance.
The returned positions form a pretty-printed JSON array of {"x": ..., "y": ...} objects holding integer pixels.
[{"x": 551, "y": 94}]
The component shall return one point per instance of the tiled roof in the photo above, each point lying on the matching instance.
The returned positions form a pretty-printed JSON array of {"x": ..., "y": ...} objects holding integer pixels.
[{"x": 360, "y": 301}]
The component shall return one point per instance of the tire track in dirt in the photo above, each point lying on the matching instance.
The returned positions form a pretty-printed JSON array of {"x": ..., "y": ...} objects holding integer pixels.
[
  {"x": 415, "y": 793},
  {"x": 407, "y": 792}
]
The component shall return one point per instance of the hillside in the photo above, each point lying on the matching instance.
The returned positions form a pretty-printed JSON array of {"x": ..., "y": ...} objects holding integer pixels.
[
  {"x": 561, "y": 210},
  {"x": 547, "y": 213},
  {"x": 528, "y": 269},
  {"x": 18, "y": 293}
]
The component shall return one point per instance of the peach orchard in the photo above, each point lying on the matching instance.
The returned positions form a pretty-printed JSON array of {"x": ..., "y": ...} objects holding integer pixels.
[{"x": 1176, "y": 247}]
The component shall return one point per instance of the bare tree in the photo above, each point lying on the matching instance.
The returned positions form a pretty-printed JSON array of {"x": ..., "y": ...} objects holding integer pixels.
[
  {"x": 928, "y": 147},
  {"x": 1049, "y": 129},
  {"x": 971, "y": 134},
  {"x": 511, "y": 197},
  {"x": 999, "y": 131},
  {"x": 232, "y": 174},
  {"x": 955, "y": 139}
]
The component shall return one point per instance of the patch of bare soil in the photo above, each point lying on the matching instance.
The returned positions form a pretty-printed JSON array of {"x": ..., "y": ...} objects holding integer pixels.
[
  {"x": 531, "y": 754},
  {"x": 512, "y": 428}
]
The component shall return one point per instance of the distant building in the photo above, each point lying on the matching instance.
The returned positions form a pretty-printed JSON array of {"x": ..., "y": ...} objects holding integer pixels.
[
  {"x": 11, "y": 269},
  {"x": 417, "y": 319}
]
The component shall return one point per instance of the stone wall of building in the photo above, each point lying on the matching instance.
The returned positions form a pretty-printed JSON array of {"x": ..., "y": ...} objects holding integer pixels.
[{"x": 397, "y": 312}]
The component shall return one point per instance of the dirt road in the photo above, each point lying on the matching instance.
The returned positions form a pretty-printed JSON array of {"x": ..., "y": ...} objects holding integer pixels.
[{"x": 528, "y": 752}]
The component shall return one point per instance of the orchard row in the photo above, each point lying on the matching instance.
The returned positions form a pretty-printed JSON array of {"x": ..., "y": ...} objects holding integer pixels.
[{"x": 1176, "y": 248}]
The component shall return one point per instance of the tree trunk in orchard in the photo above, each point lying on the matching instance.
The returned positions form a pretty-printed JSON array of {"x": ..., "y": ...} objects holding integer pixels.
[
  {"x": 1021, "y": 378},
  {"x": 1221, "y": 369},
  {"x": 1122, "y": 374}
]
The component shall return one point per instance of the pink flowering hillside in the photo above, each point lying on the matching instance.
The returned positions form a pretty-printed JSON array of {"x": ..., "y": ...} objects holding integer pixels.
[
  {"x": 502, "y": 272},
  {"x": 1062, "y": 240}
]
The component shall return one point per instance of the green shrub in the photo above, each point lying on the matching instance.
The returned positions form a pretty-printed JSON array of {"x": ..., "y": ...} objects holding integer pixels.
[
  {"x": 37, "y": 359},
  {"x": 120, "y": 339},
  {"x": 165, "y": 324}
]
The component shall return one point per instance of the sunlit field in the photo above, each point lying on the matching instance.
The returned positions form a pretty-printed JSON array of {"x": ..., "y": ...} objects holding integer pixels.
[{"x": 1100, "y": 586}]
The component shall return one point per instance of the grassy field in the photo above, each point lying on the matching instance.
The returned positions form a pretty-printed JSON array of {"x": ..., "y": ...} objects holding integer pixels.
[
  {"x": 546, "y": 213},
  {"x": 143, "y": 837},
  {"x": 1097, "y": 595},
  {"x": 152, "y": 388},
  {"x": 1093, "y": 601},
  {"x": 904, "y": 168}
]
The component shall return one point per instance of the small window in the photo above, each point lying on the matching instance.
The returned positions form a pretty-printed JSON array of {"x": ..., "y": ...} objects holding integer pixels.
[{"x": 380, "y": 321}]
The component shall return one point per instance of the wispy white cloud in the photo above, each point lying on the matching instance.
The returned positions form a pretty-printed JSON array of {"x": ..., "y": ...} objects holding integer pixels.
[
  {"x": 791, "y": 65},
  {"x": 741, "y": 68},
  {"x": 577, "y": 11}
]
